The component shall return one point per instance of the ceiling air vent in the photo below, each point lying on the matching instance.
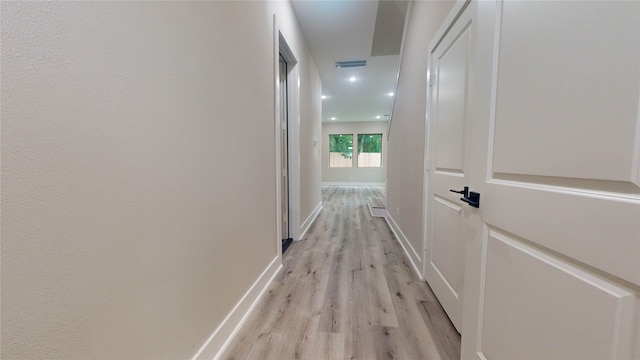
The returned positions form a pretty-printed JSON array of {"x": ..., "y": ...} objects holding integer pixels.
[{"x": 350, "y": 64}]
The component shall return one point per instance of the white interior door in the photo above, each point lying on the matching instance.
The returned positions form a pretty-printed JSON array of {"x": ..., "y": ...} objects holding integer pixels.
[
  {"x": 449, "y": 134},
  {"x": 554, "y": 272}
]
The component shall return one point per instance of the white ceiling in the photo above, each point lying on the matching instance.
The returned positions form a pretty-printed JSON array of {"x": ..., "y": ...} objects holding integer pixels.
[{"x": 342, "y": 30}]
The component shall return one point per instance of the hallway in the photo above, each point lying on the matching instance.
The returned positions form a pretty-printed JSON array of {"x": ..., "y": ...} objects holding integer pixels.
[{"x": 347, "y": 291}]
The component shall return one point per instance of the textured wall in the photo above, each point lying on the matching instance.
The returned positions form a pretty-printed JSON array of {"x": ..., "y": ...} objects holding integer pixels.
[
  {"x": 138, "y": 173},
  {"x": 407, "y": 134},
  {"x": 310, "y": 139}
]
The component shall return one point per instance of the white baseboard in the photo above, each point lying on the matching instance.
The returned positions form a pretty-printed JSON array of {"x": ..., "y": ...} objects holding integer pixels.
[
  {"x": 413, "y": 256},
  {"x": 351, "y": 183},
  {"x": 307, "y": 223},
  {"x": 217, "y": 343}
]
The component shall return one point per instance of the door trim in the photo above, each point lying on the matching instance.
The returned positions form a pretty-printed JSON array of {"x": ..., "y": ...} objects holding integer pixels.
[
  {"x": 280, "y": 46},
  {"x": 293, "y": 131}
]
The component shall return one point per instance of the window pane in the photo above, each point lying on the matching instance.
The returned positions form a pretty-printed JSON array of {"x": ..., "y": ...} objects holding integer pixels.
[
  {"x": 369, "y": 150},
  {"x": 341, "y": 150}
]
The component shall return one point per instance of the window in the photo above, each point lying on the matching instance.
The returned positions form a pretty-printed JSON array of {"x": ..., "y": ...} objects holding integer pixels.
[
  {"x": 340, "y": 150},
  {"x": 369, "y": 150}
]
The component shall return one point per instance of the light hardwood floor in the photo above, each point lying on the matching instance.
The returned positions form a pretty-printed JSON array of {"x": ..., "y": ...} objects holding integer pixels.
[{"x": 347, "y": 292}]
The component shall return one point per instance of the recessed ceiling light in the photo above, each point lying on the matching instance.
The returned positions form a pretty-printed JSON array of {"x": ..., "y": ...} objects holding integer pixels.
[
  {"x": 333, "y": 118},
  {"x": 323, "y": 97},
  {"x": 378, "y": 117},
  {"x": 391, "y": 94},
  {"x": 352, "y": 79}
]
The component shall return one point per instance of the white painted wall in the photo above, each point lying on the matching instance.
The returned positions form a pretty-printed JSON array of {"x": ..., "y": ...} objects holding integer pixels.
[
  {"x": 310, "y": 139},
  {"x": 407, "y": 134},
  {"x": 354, "y": 174},
  {"x": 135, "y": 213}
]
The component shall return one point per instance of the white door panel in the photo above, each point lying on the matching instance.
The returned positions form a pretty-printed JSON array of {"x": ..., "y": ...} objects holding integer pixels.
[
  {"x": 449, "y": 152},
  {"x": 597, "y": 229},
  {"x": 555, "y": 274},
  {"x": 522, "y": 320},
  {"x": 451, "y": 74},
  {"x": 557, "y": 61},
  {"x": 447, "y": 249}
]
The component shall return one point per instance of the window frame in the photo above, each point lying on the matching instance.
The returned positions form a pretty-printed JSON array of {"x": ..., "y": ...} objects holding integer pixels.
[
  {"x": 353, "y": 137},
  {"x": 358, "y": 150}
]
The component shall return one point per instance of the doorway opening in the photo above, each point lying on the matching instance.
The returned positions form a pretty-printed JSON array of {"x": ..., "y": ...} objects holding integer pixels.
[
  {"x": 284, "y": 153},
  {"x": 287, "y": 142}
]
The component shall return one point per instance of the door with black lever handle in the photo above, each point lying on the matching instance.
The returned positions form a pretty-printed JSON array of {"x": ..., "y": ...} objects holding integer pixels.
[
  {"x": 470, "y": 197},
  {"x": 464, "y": 192}
]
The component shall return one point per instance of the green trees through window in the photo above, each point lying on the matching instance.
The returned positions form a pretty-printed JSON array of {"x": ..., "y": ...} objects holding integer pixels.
[
  {"x": 369, "y": 150},
  {"x": 369, "y": 143},
  {"x": 341, "y": 150}
]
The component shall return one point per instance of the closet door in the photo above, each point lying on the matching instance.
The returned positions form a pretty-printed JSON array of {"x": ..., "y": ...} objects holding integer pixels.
[
  {"x": 449, "y": 135},
  {"x": 554, "y": 272}
]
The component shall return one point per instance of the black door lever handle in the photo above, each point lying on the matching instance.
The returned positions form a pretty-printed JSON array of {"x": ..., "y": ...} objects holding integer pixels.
[
  {"x": 473, "y": 199},
  {"x": 464, "y": 192}
]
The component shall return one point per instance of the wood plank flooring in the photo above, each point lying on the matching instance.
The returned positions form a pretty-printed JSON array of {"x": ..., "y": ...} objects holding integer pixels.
[{"x": 347, "y": 292}]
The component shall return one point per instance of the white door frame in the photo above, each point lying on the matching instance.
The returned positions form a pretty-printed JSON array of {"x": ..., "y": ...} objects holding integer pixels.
[
  {"x": 293, "y": 95},
  {"x": 293, "y": 79}
]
